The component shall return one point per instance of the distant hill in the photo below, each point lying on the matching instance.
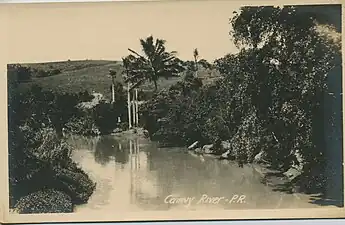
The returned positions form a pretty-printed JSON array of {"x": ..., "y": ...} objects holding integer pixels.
[{"x": 91, "y": 75}]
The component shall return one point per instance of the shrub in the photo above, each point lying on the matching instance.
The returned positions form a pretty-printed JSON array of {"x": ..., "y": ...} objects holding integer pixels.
[
  {"x": 54, "y": 72},
  {"x": 43, "y": 162},
  {"x": 42, "y": 73},
  {"x": 46, "y": 73},
  {"x": 84, "y": 125},
  {"x": 75, "y": 182},
  {"x": 45, "y": 201}
]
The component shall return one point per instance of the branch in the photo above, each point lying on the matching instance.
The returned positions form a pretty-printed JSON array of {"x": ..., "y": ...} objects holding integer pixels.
[{"x": 275, "y": 138}]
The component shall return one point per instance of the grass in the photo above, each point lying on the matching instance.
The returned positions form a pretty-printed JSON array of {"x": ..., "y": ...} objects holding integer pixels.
[{"x": 92, "y": 75}]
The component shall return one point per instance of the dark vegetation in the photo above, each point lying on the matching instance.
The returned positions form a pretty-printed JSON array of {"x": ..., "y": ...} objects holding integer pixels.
[
  {"x": 43, "y": 177},
  {"x": 269, "y": 100}
]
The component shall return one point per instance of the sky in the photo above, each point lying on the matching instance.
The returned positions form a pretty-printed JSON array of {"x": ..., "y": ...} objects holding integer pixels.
[
  {"x": 43, "y": 32},
  {"x": 76, "y": 31}
]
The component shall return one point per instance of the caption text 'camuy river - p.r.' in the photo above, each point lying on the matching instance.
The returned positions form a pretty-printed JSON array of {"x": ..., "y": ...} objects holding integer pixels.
[{"x": 134, "y": 174}]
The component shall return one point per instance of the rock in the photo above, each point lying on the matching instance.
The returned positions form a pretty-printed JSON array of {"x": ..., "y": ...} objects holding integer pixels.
[
  {"x": 198, "y": 150},
  {"x": 207, "y": 149},
  {"x": 192, "y": 153},
  {"x": 259, "y": 158},
  {"x": 300, "y": 161},
  {"x": 45, "y": 201},
  {"x": 297, "y": 167},
  {"x": 194, "y": 145},
  {"x": 292, "y": 173},
  {"x": 146, "y": 133},
  {"x": 226, "y": 154},
  {"x": 117, "y": 130},
  {"x": 225, "y": 145}
]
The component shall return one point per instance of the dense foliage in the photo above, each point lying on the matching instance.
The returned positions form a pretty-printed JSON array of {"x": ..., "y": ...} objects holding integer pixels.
[
  {"x": 41, "y": 169},
  {"x": 270, "y": 97},
  {"x": 63, "y": 111}
]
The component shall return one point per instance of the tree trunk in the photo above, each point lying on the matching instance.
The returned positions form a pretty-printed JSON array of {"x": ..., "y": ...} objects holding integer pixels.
[
  {"x": 113, "y": 92},
  {"x": 129, "y": 107},
  {"x": 136, "y": 108},
  {"x": 196, "y": 66},
  {"x": 156, "y": 87}
]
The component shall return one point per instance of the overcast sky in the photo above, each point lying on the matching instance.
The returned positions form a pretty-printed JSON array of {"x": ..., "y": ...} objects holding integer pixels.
[
  {"x": 50, "y": 32},
  {"x": 61, "y": 31}
]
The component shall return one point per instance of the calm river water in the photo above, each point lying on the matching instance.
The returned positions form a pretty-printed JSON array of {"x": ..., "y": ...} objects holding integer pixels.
[{"x": 135, "y": 174}]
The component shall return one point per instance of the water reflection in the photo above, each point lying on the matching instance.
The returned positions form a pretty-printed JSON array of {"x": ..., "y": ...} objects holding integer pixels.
[
  {"x": 135, "y": 174},
  {"x": 108, "y": 148}
]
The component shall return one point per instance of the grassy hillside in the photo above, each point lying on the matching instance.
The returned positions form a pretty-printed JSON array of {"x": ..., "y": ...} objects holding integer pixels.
[{"x": 92, "y": 75}]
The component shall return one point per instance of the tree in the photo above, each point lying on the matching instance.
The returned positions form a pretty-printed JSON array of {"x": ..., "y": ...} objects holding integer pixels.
[
  {"x": 112, "y": 73},
  {"x": 282, "y": 70},
  {"x": 194, "y": 65},
  {"x": 156, "y": 62},
  {"x": 205, "y": 64},
  {"x": 196, "y": 56}
]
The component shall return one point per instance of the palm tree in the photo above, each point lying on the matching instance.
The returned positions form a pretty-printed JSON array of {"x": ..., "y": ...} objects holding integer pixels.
[
  {"x": 155, "y": 63},
  {"x": 196, "y": 56},
  {"x": 112, "y": 73}
]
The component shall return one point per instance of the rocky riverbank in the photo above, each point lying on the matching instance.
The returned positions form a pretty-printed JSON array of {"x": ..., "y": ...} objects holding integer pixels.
[{"x": 222, "y": 150}]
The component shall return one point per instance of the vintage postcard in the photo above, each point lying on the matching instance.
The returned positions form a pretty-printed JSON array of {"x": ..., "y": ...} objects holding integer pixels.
[{"x": 172, "y": 110}]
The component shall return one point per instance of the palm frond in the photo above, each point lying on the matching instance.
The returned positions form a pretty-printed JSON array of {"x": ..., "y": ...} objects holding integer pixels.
[
  {"x": 137, "y": 54},
  {"x": 155, "y": 63},
  {"x": 137, "y": 84}
]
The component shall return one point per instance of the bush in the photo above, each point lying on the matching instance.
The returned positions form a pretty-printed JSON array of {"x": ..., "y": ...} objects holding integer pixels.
[
  {"x": 54, "y": 72},
  {"x": 75, "y": 182},
  {"x": 46, "y": 73},
  {"x": 42, "y": 73},
  {"x": 43, "y": 162},
  {"x": 84, "y": 125},
  {"x": 45, "y": 201}
]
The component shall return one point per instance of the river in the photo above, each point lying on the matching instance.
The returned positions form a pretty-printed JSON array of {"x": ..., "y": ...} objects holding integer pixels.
[{"x": 134, "y": 174}]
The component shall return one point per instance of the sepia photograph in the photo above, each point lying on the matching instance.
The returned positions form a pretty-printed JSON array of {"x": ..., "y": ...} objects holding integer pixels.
[{"x": 169, "y": 107}]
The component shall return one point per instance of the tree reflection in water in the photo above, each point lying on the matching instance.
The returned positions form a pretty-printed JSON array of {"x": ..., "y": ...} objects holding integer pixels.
[
  {"x": 81, "y": 142},
  {"x": 108, "y": 148}
]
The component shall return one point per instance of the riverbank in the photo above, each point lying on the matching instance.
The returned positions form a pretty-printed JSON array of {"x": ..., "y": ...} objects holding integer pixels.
[{"x": 43, "y": 176}]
